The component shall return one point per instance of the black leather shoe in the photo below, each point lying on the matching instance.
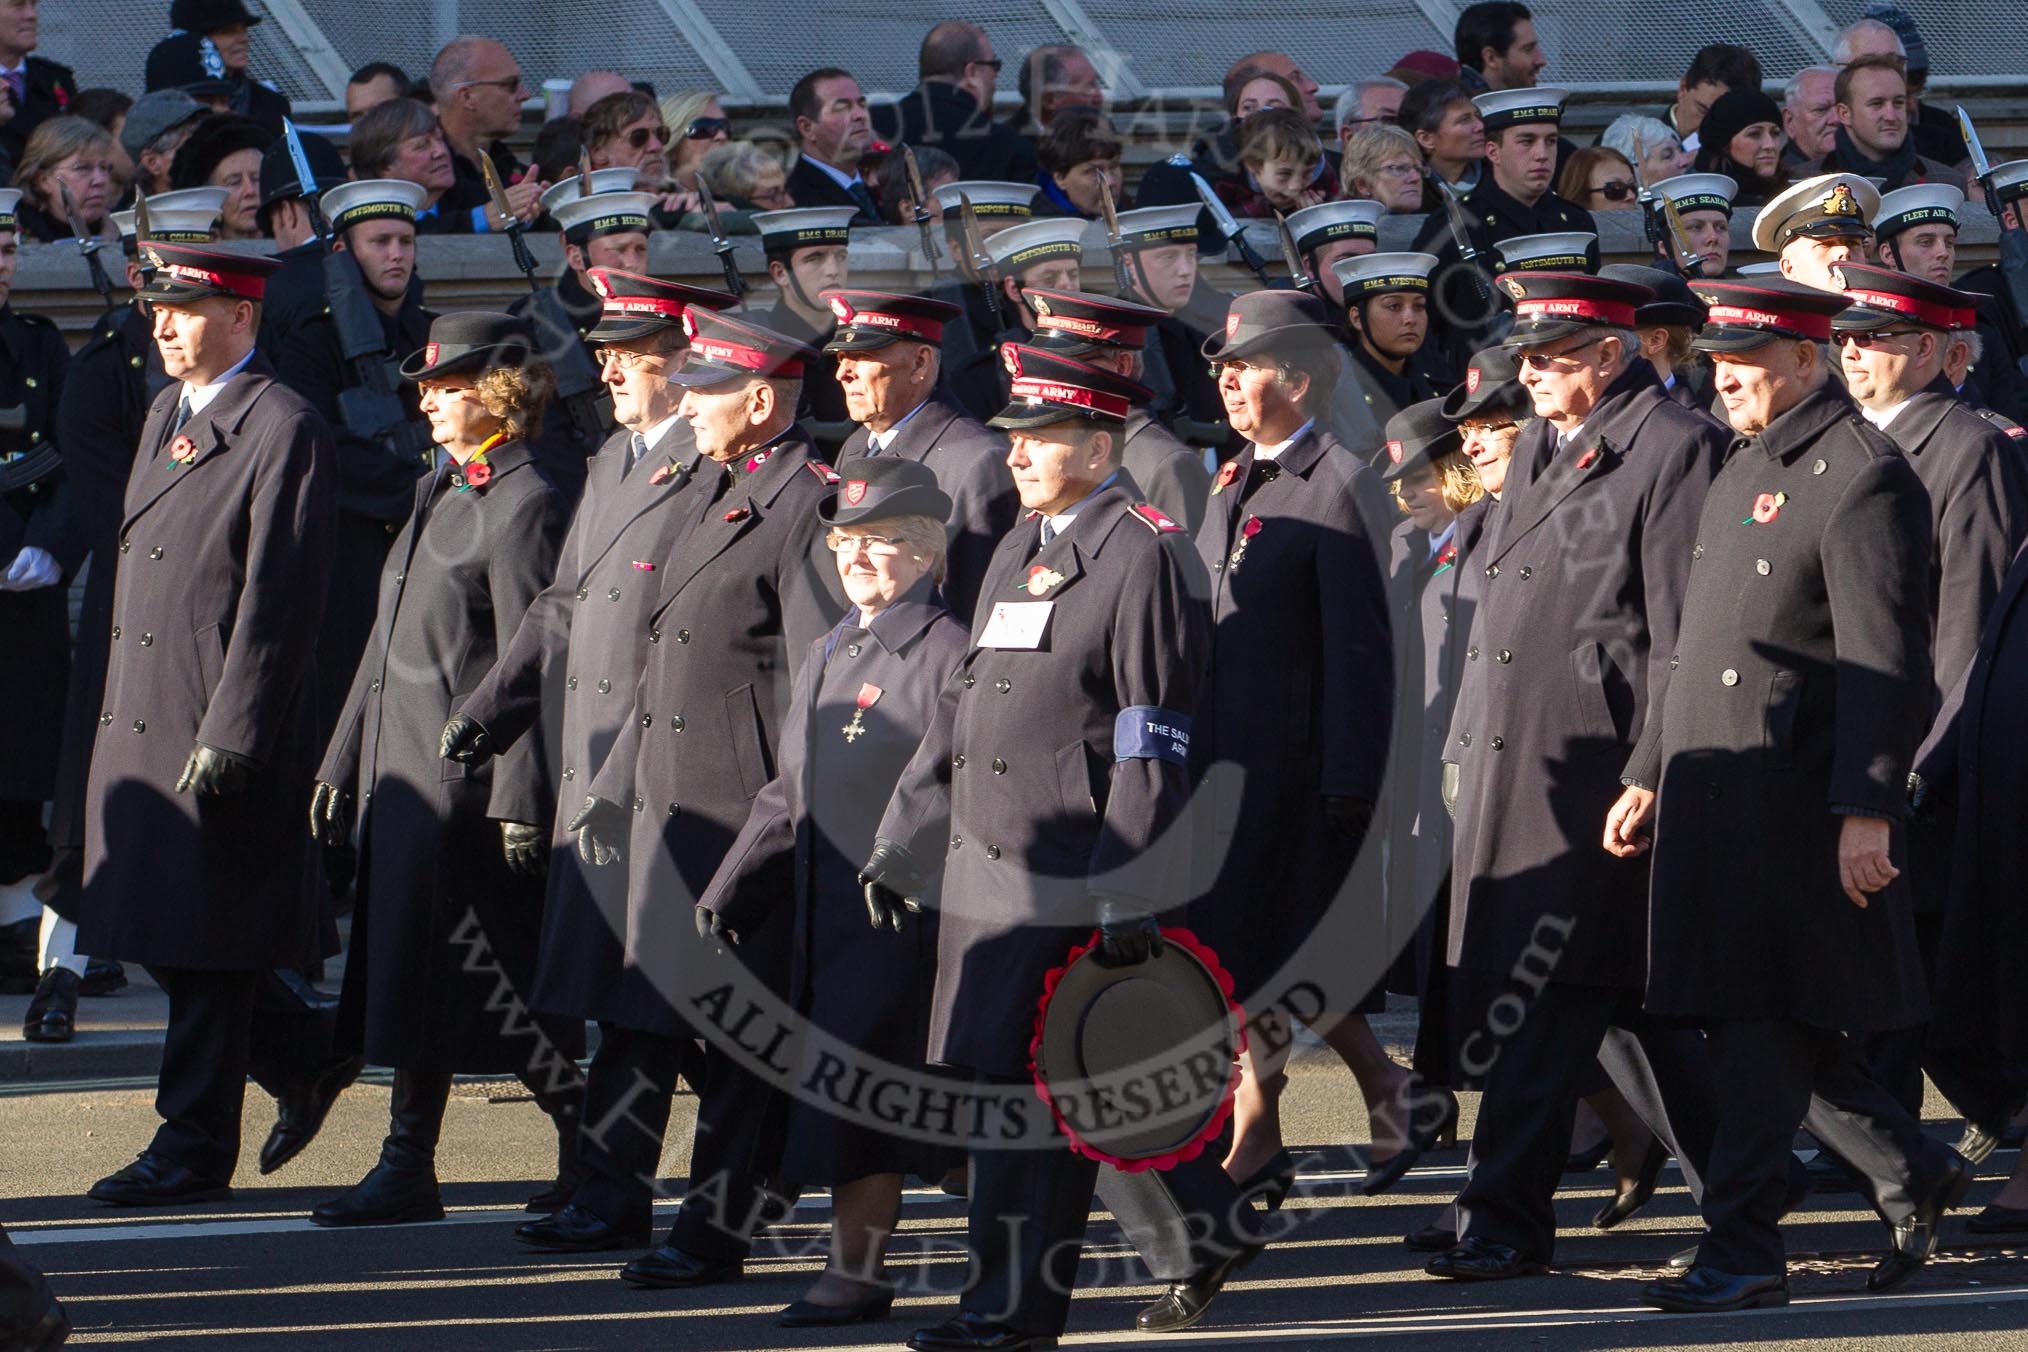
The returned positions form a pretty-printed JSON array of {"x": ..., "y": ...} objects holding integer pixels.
[
  {"x": 1915, "y": 1237},
  {"x": 52, "y": 1014},
  {"x": 1434, "y": 1118},
  {"x": 384, "y": 1197},
  {"x": 1184, "y": 1303},
  {"x": 576, "y": 1230},
  {"x": 46, "y": 1330},
  {"x": 1626, "y": 1203},
  {"x": 1704, "y": 1290},
  {"x": 102, "y": 978},
  {"x": 974, "y": 1333},
  {"x": 1432, "y": 1239},
  {"x": 873, "y": 1304},
  {"x": 1683, "y": 1259},
  {"x": 1999, "y": 1220},
  {"x": 301, "y": 1109},
  {"x": 153, "y": 1181},
  {"x": 1481, "y": 1260},
  {"x": 669, "y": 1267}
]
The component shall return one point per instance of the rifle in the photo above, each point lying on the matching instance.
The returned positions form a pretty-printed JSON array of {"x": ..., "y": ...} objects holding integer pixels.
[
  {"x": 1116, "y": 241},
  {"x": 1299, "y": 276},
  {"x": 2013, "y": 242},
  {"x": 982, "y": 261},
  {"x": 918, "y": 204},
  {"x": 1233, "y": 233},
  {"x": 371, "y": 406},
  {"x": 88, "y": 245},
  {"x": 720, "y": 245},
  {"x": 495, "y": 190},
  {"x": 1461, "y": 235},
  {"x": 1664, "y": 224}
]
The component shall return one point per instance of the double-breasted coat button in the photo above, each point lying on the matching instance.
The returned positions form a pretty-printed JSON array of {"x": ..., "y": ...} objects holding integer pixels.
[
  {"x": 992, "y": 851},
  {"x": 571, "y": 684},
  {"x": 654, "y": 636},
  {"x": 1492, "y": 570},
  {"x": 147, "y": 640},
  {"x": 106, "y": 719},
  {"x": 1728, "y": 677},
  {"x": 582, "y": 593},
  {"x": 639, "y": 804},
  {"x": 605, "y": 687},
  {"x": 613, "y": 594},
  {"x": 675, "y": 722},
  {"x": 1820, "y": 467},
  {"x": 1465, "y": 740},
  {"x": 999, "y": 766},
  {"x": 1698, "y": 552},
  {"x": 126, "y": 545},
  {"x": 116, "y": 633},
  {"x": 674, "y": 808},
  {"x": 135, "y": 362},
  {"x": 1763, "y": 567},
  {"x": 1003, "y": 685},
  {"x": 647, "y": 720},
  {"x": 400, "y": 578},
  {"x": 1526, "y": 572},
  {"x": 374, "y": 687},
  {"x": 140, "y": 725},
  {"x": 1473, "y": 652},
  {"x": 958, "y": 761},
  {"x": 852, "y": 650},
  {"x": 155, "y": 553},
  {"x": 1497, "y": 743},
  {"x": 1503, "y": 656},
  {"x": 971, "y": 681},
  {"x": 1673, "y": 662},
  {"x": 682, "y": 635},
  {"x": 957, "y": 842},
  {"x": 569, "y": 772}
]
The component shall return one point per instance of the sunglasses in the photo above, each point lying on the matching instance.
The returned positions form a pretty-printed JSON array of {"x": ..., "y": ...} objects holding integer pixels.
[
  {"x": 996, "y": 63},
  {"x": 1558, "y": 361},
  {"x": 1618, "y": 190},
  {"x": 639, "y": 137},
  {"x": 1858, "y": 338},
  {"x": 704, "y": 128}
]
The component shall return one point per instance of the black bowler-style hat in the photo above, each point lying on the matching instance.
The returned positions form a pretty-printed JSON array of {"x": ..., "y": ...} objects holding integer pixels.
[
  {"x": 633, "y": 305},
  {"x": 1492, "y": 384},
  {"x": 1550, "y": 306},
  {"x": 1416, "y": 436},
  {"x": 1673, "y": 301},
  {"x": 882, "y": 487},
  {"x": 873, "y": 319},
  {"x": 1265, "y": 321},
  {"x": 1046, "y": 387},
  {"x": 1744, "y": 315},
  {"x": 208, "y": 16},
  {"x": 468, "y": 342}
]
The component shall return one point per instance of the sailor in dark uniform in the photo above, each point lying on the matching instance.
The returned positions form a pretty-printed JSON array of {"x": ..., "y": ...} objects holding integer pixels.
[
  {"x": 1046, "y": 252},
  {"x": 296, "y": 292},
  {"x": 1704, "y": 204},
  {"x": 1387, "y": 362},
  {"x": 1917, "y": 232},
  {"x": 995, "y": 206},
  {"x": 1163, "y": 276},
  {"x": 2010, "y": 184},
  {"x": 808, "y": 253}
]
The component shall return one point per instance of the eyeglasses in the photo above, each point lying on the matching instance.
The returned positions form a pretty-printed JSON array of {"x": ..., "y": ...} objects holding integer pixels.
[
  {"x": 639, "y": 137},
  {"x": 623, "y": 358},
  {"x": 1558, "y": 361},
  {"x": 1402, "y": 170},
  {"x": 704, "y": 128},
  {"x": 1615, "y": 190},
  {"x": 876, "y": 546},
  {"x": 996, "y": 63},
  {"x": 1470, "y": 430},
  {"x": 1859, "y": 338}
]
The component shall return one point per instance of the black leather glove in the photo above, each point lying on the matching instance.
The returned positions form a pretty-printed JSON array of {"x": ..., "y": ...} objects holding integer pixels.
[
  {"x": 1127, "y": 934},
  {"x": 601, "y": 830},
  {"x": 1448, "y": 787},
  {"x": 331, "y": 816},
  {"x": 466, "y": 741},
  {"x": 212, "y": 773},
  {"x": 1348, "y": 819},
  {"x": 711, "y": 925},
  {"x": 526, "y": 848},
  {"x": 892, "y": 883}
]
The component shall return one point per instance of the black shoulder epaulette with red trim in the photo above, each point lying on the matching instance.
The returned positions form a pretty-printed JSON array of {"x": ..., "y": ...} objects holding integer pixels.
[{"x": 1153, "y": 518}]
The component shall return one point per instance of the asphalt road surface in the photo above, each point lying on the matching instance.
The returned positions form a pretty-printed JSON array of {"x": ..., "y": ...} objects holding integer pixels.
[{"x": 253, "y": 1273}]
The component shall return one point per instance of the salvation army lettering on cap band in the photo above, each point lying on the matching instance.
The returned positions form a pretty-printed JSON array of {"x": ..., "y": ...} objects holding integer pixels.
[
  {"x": 1054, "y": 392},
  {"x": 1148, "y": 732},
  {"x": 1804, "y": 325},
  {"x": 1615, "y": 313},
  {"x": 643, "y": 305},
  {"x": 929, "y": 330},
  {"x": 1936, "y": 316},
  {"x": 740, "y": 355}
]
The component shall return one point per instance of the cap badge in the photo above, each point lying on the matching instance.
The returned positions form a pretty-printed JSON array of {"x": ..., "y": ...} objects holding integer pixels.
[
  {"x": 689, "y": 324},
  {"x": 843, "y": 309},
  {"x": 429, "y": 354},
  {"x": 598, "y": 282},
  {"x": 1515, "y": 289},
  {"x": 855, "y": 492},
  {"x": 1840, "y": 202},
  {"x": 1231, "y": 326},
  {"x": 1394, "y": 451},
  {"x": 1472, "y": 380},
  {"x": 1011, "y": 359},
  {"x": 1039, "y": 305}
]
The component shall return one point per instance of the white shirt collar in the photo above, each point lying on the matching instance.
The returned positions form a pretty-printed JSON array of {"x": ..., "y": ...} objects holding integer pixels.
[
  {"x": 1271, "y": 452},
  {"x": 880, "y": 441},
  {"x": 653, "y": 436},
  {"x": 200, "y": 396},
  {"x": 1885, "y": 416},
  {"x": 835, "y": 174},
  {"x": 1438, "y": 541}
]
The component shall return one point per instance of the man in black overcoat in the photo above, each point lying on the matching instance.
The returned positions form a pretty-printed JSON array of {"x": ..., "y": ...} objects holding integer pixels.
[
  {"x": 195, "y": 860},
  {"x": 1581, "y": 580},
  {"x": 1775, "y": 771},
  {"x": 568, "y": 678}
]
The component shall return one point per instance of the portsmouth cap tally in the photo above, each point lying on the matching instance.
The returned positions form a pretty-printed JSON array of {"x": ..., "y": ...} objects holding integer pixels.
[
  {"x": 1743, "y": 315},
  {"x": 1557, "y": 251},
  {"x": 990, "y": 199},
  {"x": 1829, "y": 206},
  {"x": 373, "y": 199},
  {"x": 1023, "y": 246}
]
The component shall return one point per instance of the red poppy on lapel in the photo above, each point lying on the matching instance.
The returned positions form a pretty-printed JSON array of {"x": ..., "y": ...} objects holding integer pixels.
[
  {"x": 1586, "y": 460},
  {"x": 1767, "y": 507},
  {"x": 183, "y": 450},
  {"x": 738, "y": 514},
  {"x": 662, "y": 475},
  {"x": 1227, "y": 472},
  {"x": 644, "y": 567},
  {"x": 478, "y": 473}
]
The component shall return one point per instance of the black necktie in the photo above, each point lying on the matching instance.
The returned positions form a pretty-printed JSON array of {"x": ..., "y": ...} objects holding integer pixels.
[
  {"x": 182, "y": 415},
  {"x": 863, "y": 198}
]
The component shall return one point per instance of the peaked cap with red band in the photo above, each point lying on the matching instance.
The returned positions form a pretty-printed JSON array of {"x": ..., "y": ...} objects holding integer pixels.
[
  {"x": 873, "y": 319},
  {"x": 1046, "y": 388},
  {"x": 1744, "y": 315},
  {"x": 186, "y": 272},
  {"x": 1551, "y": 306},
  {"x": 1882, "y": 297},
  {"x": 723, "y": 348},
  {"x": 635, "y": 305},
  {"x": 1074, "y": 323}
]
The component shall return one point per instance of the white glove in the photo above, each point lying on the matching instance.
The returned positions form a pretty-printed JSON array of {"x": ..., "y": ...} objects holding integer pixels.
[{"x": 31, "y": 568}]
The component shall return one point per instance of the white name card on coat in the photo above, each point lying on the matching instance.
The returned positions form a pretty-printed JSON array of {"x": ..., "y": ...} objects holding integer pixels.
[{"x": 1016, "y": 624}]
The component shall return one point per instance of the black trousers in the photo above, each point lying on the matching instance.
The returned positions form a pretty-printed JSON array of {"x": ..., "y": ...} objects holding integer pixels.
[
  {"x": 1770, "y": 1069},
  {"x": 206, "y": 1051},
  {"x": 742, "y": 1125},
  {"x": 415, "y": 1116},
  {"x": 627, "y": 1093},
  {"x": 1026, "y": 1217},
  {"x": 293, "y": 1031},
  {"x": 1533, "y": 1077}
]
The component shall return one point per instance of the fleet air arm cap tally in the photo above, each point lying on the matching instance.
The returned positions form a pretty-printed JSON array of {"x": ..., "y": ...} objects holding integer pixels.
[
  {"x": 723, "y": 348},
  {"x": 1269, "y": 321},
  {"x": 1917, "y": 204},
  {"x": 990, "y": 199},
  {"x": 372, "y": 199},
  {"x": 1557, "y": 251},
  {"x": 571, "y": 187},
  {"x": 1152, "y": 227},
  {"x": 804, "y": 227},
  {"x": 632, "y": 305},
  {"x": 882, "y": 487},
  {"x": 468, "y": 342},
  {"x": 1045, "y": 388},
  {"x": 1031, "y": 242},
  {"x": 1882, "y": 297},
  {"x": 1829, "y": 206},
  {"x": 2009, "y": 180},
  {"x": 1492, "y": 384},
  {"x": 1504, "y": 108},
  {"x": 874, "y": 319},
  {"x": 1416, "y": 436},
  {"x": 184, "y": 216},
  {"x": 1700, "y": 192},
  {"x": 1551, "y": 306},
  {"x": 185, "y": 273},
  {"x": 1365, "y": 275},
  {"x": 604, "y": 213},
  {"x": 1073, "y": 323},
  {"x": 1673, "y": 302},
  {"x": 1328, "y": 222},
  {"x": 1744, "y": 315}
]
